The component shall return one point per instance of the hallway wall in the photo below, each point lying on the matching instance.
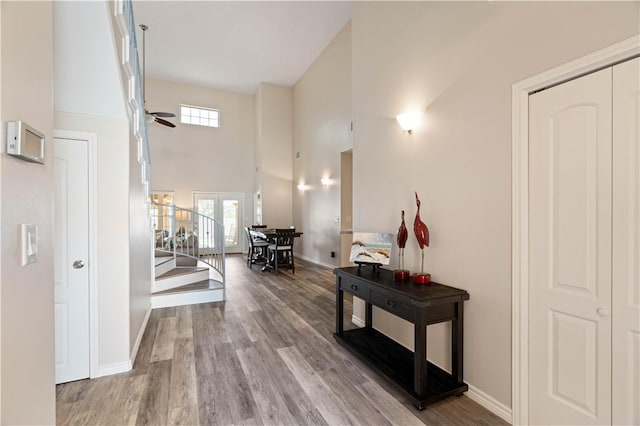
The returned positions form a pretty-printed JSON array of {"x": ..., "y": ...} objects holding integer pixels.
[
  {"x": 456, "y": 62},
  {"x": 321, "y": 130},
  {"x": 26, "y": 196}
]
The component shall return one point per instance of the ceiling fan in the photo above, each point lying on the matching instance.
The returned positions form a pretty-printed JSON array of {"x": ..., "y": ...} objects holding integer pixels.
[{"x": 151, "y": 117}]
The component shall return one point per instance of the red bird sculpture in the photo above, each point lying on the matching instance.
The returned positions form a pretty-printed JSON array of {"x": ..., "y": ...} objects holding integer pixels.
[
  {"x": 420, "y": 228},
  {"x": 402, "y": 233}
]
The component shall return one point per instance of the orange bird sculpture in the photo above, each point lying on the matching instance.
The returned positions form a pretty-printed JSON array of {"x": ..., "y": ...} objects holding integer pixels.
[{"x": 420, "y": 228}]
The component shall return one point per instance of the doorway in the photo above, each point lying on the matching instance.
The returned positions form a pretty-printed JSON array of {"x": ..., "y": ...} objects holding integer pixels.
[
  {"x": 563, "y": 253},
  {"x": 346, "y": 206},
  {"x": 74, "y": 251},
  {"x": 226, "y": 208}
]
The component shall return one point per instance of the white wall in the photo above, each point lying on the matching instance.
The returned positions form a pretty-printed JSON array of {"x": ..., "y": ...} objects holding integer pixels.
[
  {"x": 26, "y": 194},
  {"x": 457, "y": 62},
  {"x": 1, "y": 121},
  {"x": 89, "y": 98},
  {"x": 113, "y": 227},
  {"x": 86, "y": 70},
  {"x": 140, "y": 251},
  {"x": 321, "y": 129},
  {"x": 275, "y": 144},
  {"x": 196, "y": 158}
]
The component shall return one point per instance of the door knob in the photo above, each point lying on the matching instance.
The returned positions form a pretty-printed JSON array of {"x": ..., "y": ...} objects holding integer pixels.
[
  {"x": 78, "y": 264},
  {"x": 603, "y": 312}
]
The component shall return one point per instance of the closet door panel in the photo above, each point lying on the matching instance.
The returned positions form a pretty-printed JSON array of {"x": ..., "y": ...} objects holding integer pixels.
[
  {"x": 570, "y": 252},
  {"x": 626, "y": 243}
]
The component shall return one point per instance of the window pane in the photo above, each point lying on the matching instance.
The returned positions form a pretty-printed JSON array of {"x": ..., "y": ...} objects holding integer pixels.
[
  {"x": 206, "y": 237},
  {"x": 230, "y": 221},
  {"x": 199, "y": 116}
]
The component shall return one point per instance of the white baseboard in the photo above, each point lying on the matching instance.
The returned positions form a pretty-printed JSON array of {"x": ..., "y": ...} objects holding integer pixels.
[
  {"x": 299, "y": 256},
  {"x": 490, "y": 403},
  {"x": 116, "y": 368},
  {"x": 357, "y": 321},
  {"x": 136, "y": 345}
]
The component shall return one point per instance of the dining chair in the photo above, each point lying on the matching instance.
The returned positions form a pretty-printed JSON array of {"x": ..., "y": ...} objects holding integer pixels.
[
  {"x": 281, "y": 251},
  {"x": 256, "y": 252}
]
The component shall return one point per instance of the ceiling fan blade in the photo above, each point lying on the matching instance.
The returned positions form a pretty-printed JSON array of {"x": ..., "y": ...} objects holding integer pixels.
[
  {"x": 163, "y": 114},
  {"x": 164, "y": 122}
]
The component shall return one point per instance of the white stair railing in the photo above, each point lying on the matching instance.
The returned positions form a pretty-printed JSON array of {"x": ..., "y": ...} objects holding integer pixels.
[{"x": 185, "y": 233}]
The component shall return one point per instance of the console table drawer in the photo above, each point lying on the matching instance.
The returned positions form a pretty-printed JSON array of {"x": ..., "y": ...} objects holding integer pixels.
[
  {"x": 395, "y": 305},
  {"x": 357, "y": 289}
]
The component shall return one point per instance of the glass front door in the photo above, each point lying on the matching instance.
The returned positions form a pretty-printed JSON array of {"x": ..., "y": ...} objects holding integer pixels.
[{"x": 227, "y": 209}]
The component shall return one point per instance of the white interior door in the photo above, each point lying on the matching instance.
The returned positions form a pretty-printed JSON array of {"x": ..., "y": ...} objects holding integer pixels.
[
  {"x": 227, "y": 208},
  {"x": 626, "y": 243},
  {"x": 71, "y": 254},
  {"x": 570, "y": 252}
]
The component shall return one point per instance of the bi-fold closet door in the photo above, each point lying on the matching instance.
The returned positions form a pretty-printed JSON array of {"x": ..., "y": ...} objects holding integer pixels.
[{"x": 584, "y": 249}]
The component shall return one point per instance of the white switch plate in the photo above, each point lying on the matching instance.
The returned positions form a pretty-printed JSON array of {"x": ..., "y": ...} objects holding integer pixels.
[{"x": 29, "y": 244}]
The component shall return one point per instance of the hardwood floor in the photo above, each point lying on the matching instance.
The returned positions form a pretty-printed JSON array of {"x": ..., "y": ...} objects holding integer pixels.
[{"x": 265, "y": 356}]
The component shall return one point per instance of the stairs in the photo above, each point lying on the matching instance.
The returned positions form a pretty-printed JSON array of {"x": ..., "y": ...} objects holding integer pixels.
[
  {"x": 189, "y": 257},
  {"x": 164, "y": 263},
  {"x": 183, "y": 280}
]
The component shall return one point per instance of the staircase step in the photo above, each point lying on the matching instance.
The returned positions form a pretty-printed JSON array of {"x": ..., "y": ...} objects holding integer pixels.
[
  {"x": 200, "y": 285},
  {"x": 163, "y": 264},
  {"x": 178, "y": 277},
  {"x": 204, "y": 291},
  {"x": 159, "y": 260},
  {"x": 178, "y": 270}
]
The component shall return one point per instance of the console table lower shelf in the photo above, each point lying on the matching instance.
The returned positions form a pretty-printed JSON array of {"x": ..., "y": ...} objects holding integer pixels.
[{"x": 397, "y": 363}]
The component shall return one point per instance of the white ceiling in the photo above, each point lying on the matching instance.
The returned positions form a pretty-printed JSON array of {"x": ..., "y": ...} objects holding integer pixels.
[{"x": 235, "y": 45}]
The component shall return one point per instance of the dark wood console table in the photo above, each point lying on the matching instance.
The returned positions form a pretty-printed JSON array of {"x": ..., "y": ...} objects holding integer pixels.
[{"x": 423, "y": 382}]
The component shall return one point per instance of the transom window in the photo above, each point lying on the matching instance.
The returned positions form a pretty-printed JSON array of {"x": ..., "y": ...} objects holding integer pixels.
[{"x": 199, "y": 116}]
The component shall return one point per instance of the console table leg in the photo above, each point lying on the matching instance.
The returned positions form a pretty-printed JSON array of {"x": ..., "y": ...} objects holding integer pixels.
[
  {"x": 339, "y": 311},
  {"x": 457, "y": 342},
  {"x": 420, "y": 356},
  {"x": 368, "y": 315}
]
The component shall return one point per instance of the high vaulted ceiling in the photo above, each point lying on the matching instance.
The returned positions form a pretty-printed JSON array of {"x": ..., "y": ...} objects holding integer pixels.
[{"x": 235, "y": 45}]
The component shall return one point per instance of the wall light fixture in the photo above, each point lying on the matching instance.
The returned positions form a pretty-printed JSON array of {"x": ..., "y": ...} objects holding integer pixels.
[{"x": 409, "y": 121}]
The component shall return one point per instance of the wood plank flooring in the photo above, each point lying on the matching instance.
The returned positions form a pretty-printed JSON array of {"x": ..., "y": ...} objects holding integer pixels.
[{"x": 266, "y": 356}]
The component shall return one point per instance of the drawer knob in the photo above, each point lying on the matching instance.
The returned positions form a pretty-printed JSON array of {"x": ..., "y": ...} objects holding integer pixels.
[
  {"x": 354, "y": 287},
  {"x": 391, "y": 303}
]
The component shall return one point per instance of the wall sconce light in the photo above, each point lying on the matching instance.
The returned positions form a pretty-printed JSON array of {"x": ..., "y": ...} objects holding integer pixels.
[
  {"x": 325, "y": 182},
  {"x": 409, "y": 121},
  {"x": 302, "y": 186}
]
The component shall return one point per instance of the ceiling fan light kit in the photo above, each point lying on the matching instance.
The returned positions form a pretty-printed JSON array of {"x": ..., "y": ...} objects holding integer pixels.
[{"x": 151, "y": 117}]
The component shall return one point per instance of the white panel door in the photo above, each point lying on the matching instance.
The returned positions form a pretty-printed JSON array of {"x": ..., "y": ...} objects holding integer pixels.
[
  {"x": 570, "y": 252},
  {"x": 626, "y": 243},
  {"x": 70, "y": 166}
]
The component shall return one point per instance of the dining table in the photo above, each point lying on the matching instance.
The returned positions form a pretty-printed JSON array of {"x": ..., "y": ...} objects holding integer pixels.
[{"x": 268, "y": 234}]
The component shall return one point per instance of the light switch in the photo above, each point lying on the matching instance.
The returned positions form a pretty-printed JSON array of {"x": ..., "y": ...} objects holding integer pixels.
[{"x": 29, "y": 244}]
